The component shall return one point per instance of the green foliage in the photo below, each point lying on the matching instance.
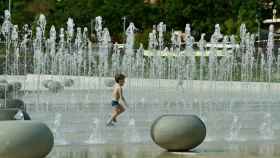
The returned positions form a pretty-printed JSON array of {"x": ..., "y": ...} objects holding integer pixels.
[
  {"x": 142, "y": 38},
  {"x": 202, "y": 14}
]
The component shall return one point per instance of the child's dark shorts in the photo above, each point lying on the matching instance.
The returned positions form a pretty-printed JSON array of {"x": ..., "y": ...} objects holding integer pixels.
[{"x": 115, "y": 103}]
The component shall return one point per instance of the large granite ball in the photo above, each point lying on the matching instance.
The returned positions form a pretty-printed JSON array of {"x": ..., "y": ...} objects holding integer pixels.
[
  {"x": 6, "y": 90},
  {"x": 13, "y": 103},
  {"x": 8, "y": 95},
  {"x": 68, "y": 82},
  {"x": 25, "y": 139},
  {"x": 46, "y": 83},
  {"x": 178, "y": 132},
  {"x": 6, "y": 87},
  {"x": 16, "y": 86},
  {"x": 9, "y": 114},
  {"x": 55, "y": 86},
  {"x": 3, "y": 81},
  {"x": 26, "y": 115},
  {"x": 109, "y": 82}
]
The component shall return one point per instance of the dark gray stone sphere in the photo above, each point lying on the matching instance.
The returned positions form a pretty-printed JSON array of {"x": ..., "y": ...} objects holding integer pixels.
[
  {"x": 9, "y": 114},
  {"x": 16, "y": 86},
  {"x": 3, "y": 81},
  {"x": 9, "y": 95},
  {"x": 25, "y": 139},
  {"x": 109, "y": 82},
  {"x": 55, "y": 86},
  {"x": 6, "y": 86},
  {"x": 46, "y": 83},
  {"x": 13, "y": 103},
  {"x": 26, "y": 116},
  {"x": 68, "y": 82},
  {"x": 7, "y": 89},
  {"x": 178, "y": 132}
]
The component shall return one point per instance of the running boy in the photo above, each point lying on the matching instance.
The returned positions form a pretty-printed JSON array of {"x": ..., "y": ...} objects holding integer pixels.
[{"x": 117, "y": 96}]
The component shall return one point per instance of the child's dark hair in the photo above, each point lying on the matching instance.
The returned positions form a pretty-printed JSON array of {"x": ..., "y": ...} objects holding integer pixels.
[{"x": 119, "y": 77}]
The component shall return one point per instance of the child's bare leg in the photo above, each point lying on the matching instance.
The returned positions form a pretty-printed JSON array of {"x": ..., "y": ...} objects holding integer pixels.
[
  {"x": 114, "y": 114},
  {"x": 113, "y": 117},
  {"x": 120, "y": 109}
]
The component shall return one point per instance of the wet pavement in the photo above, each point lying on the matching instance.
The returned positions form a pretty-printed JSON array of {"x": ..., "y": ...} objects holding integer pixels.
[{"x": 254, "y": 149}]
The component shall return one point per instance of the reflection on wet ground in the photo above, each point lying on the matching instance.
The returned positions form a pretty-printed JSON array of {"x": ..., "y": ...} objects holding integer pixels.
[{"x": 254, "y": 149}]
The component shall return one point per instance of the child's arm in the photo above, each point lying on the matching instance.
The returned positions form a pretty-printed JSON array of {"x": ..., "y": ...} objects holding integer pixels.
[
  {"x": 124, "y": 101},
  {"x": 122, "y": 98}
]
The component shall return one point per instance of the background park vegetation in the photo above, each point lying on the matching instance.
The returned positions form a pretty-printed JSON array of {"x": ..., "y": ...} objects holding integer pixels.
[{"x": 201, "y": 14}]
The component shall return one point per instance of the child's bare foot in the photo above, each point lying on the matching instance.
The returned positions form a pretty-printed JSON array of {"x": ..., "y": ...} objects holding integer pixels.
[
  {"x": 114, "y": 120},
  {"x": 109, "y": 123}
]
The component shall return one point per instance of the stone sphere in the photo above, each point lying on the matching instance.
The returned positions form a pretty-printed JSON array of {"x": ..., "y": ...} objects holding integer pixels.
[
  {"x": 9, "y": 114},
  {"x": 3, "y": 81},
  {"x": 6, "y": 90},
  {"x": 13, "y": 103},
  {"x": 9, "y": 95},
  {"x": 25, "y": 139},
  {"x": 26, "y": 115},
  {"x": 6, "y": 86},
  {"x": 55, "y": 86},
  {"x": 109, "y": 82},
  {"x": 46, "y": 83},
  {"x": 178, "y": 132},
  {"x": 68, "y": 82},
  {"x": 16, "y": 86}
]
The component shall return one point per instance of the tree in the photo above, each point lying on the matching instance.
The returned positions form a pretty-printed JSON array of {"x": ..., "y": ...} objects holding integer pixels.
[{"x": 202, "y": 15}]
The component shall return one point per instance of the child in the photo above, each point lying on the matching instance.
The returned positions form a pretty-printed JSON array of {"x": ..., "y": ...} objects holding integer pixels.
[{"x": 116, "y": 97}]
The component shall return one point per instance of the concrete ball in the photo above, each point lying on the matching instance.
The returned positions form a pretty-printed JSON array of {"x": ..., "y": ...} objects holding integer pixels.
[
  {"x": 55, "y": 86},
  {"x": 25, "y": 139},
  {"x": 109, "y": 82},
  {"x": 46, "y": 83},
  {"x": 9, "y": 114},
  {"x": 6, "y": 90},
  {"x": 68, "y": 82},
  {"x": 14, "y": 103},
  {"x": 178, "y": 132},
  {"x": 16, "y": 86},
  {"x": 3, "y": 81}
]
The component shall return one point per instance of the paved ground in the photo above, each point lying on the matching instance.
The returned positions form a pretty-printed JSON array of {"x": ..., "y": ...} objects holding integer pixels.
[{"x": 267, "y": 149}]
